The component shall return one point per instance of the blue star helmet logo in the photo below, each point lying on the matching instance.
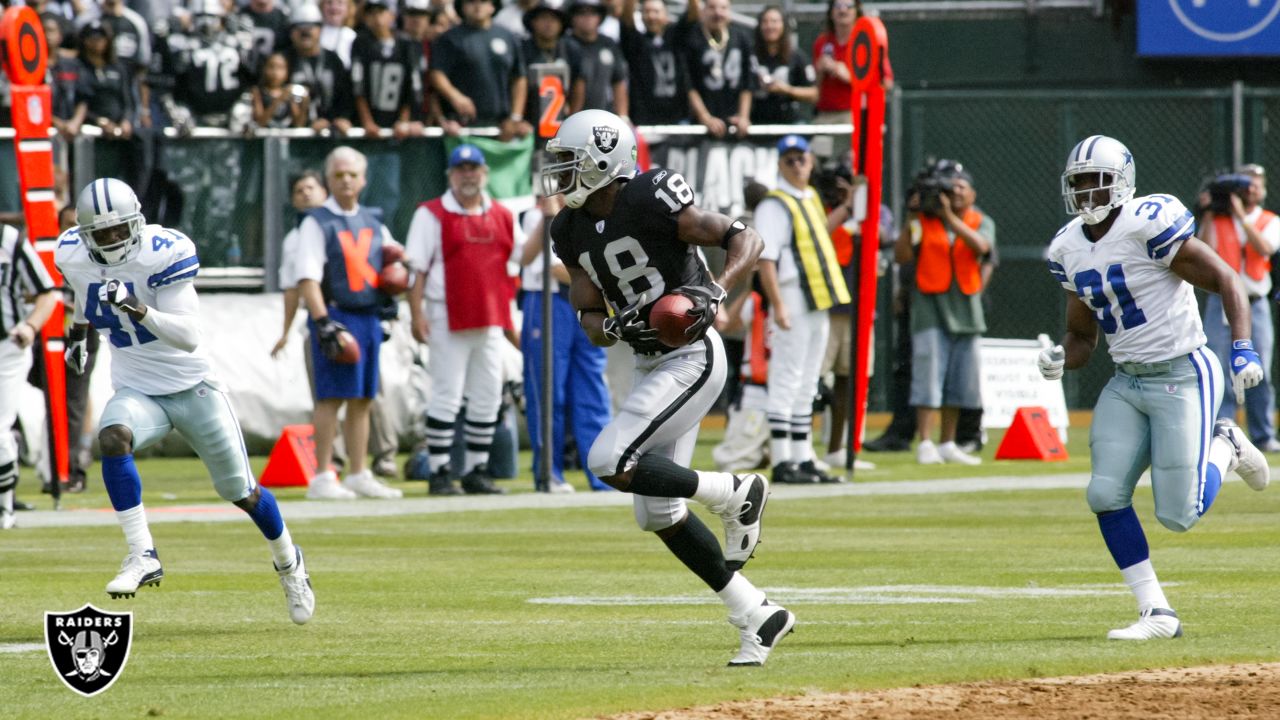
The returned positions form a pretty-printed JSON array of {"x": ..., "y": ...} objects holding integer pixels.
[{"x": 1128, "y": 158}]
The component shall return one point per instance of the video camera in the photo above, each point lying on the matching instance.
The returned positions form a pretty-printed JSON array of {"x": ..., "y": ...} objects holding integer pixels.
[
  {"x": 932, "y": 181},
  {"x": 826, "y": 181},
  {"x": 1222, "y": 187}
]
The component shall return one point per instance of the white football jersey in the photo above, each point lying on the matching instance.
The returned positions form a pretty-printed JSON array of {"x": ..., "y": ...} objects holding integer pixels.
[
  {"x": 139, "y": 360},
  {"x": 1148, "y": 313}
]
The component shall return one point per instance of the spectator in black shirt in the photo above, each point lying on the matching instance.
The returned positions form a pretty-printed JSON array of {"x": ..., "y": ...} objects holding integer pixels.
[
  {"x": 62, "y": 76},
  {"x": 104, "y": 89},
  {"x": 422, "y": 25},
  {"x": 786, "y": 77},
  {"x": 321, "y": 71},
  {"x": 718, "y": 58},
  {"x": 207, "y": 70},
  {"x": 595, "y": 63},
  {"x": 270, "y": 26},
  {"x": 385, "y": 74},
  {"x": 659, "y": 84},
  {"x": 545, "y": 45},
  {"x": 130, "y": 36},
  {"x": 479, "y": 72},
  {"x": 277, "y": 103}
]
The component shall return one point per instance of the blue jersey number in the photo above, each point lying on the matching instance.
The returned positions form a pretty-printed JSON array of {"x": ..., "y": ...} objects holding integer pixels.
[
  {"x": 1155, "y": 202},
  {"x": 1090, "y": 287},
  {"x": 104, "y": 317}
]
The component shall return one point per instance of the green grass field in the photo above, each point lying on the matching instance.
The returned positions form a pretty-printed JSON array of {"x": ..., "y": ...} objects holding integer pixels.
[{"x": 569, "y": 613}]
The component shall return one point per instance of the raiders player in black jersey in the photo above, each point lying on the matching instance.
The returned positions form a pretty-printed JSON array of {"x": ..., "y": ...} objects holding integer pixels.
[{"x": 626, "y": 241}]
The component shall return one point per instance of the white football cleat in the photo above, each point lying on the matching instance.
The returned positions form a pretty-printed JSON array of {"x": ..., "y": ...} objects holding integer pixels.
[
  {"x": 7, "y": 519},
  {"x": 1152, "y": 624},
  {"x": 324, "y": 486},
  {"x": 950, "y": 452},
  {"x": 365, "y": 484},
  {"x": 927, "y": 453},
  {"x": 136, "y": 571},
  {"x": 741, "y": 516},
  {"x": 761, "y": 631},
  {"x": 297, "y": 589},
  {"x": 560, "y": 488},
  {"x": 1247, "y": 461}
]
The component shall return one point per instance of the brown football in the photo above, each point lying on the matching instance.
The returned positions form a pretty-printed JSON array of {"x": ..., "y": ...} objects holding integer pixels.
[
  {"x": 669, "y": 316},
  {"x": 350, "y": 352},
  {"x": 394, "y": 277}
]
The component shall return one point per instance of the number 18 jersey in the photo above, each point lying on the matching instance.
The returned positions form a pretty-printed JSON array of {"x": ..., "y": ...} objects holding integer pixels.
[
  {"x": 1147, "y": 312},
  {"x": 637, "y": 248},
  {"x": 139, "y": 360}
]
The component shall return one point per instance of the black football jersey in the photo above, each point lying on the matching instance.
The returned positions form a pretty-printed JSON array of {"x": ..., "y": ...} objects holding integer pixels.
[{"x": 635, "y": 249}]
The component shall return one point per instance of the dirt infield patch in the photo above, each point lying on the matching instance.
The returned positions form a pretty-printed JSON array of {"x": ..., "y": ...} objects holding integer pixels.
[{"x": 1215, "y": 692}]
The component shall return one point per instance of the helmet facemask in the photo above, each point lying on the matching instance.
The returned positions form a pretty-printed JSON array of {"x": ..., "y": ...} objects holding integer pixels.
[
  {"x": 1093, "y": 203},
  {"x": 568, "y": 173},
  {"x": 114, "y": 242}
]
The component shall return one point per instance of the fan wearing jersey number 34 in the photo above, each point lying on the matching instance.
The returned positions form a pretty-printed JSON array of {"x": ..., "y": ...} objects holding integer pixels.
[
  {"x": 1129, "y": 265},
  {"x": 627, "y": 240}
]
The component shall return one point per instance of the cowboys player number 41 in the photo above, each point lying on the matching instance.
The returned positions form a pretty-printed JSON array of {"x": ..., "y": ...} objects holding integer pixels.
[{"x": 133, "y": 283}]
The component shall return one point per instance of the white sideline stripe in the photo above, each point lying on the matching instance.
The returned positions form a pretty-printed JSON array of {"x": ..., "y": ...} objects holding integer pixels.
[
  {"x": 863, "y": 595},
  {"x": 20, "y": 647},
  {"x": 317, "y": 509}
]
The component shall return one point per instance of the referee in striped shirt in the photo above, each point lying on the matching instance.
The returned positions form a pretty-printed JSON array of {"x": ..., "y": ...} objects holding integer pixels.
[{"x": 27, "y": 298}]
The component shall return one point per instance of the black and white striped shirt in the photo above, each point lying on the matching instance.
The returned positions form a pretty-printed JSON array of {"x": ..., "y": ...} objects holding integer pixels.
[{"x": 22, "y": 277}]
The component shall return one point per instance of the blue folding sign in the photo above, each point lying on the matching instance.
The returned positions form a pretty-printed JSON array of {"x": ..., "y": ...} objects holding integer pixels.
[{"x": 1208, "y": 28}]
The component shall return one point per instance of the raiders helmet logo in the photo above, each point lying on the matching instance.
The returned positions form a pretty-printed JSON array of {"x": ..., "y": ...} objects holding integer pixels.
[
  {"x": 88, "y": 647},
  {"x": 606, "y": 137}
]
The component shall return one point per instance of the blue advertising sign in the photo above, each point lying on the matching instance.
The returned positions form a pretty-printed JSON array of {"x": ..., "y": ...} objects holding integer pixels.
[{"x": 1207, "y": 28}]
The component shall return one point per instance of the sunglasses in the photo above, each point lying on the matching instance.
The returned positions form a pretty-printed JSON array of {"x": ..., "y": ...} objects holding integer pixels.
[{"x": 795, "y": 159}]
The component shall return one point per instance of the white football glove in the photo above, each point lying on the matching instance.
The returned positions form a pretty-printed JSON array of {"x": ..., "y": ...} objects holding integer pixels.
[
  {"x": 116, "y": 293},
  {"x": 76, "y": 355},
  {"x": 1246, "y": 368},
  {"x": 1051, "y": 362}
]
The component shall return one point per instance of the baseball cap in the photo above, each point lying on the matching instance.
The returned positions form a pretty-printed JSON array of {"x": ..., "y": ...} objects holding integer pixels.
[
  {"x": 383, "y": 4},
  {"x": 792, "y": 142},
  {"x": 592, "y": 5},
  {"x": 416, "y": 7},
  {"x": 541, "y": 7},
  {"x": 307, "y": 14},
  {"x": 466, "y": 153}
]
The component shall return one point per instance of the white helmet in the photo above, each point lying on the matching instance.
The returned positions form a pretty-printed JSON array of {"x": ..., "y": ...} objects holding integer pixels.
[
  {"x": 592, "y": 149},
  {"x": 1113, "y": 163},
  {"x": 104, "y": 207}
]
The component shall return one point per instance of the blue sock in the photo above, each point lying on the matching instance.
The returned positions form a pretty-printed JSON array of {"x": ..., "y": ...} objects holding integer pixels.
[
  {"x": 124, "y": 486},
  {"x": 1124, "y": 537},
  {"x": 1212, "y": 484},
  {"x": 267, "y": 515}
]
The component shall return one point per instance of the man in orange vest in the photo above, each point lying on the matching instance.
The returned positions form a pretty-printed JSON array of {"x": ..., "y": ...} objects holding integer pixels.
[
  {"x": 947, "y": 237},
  {"x": 1246, "y": 237}
]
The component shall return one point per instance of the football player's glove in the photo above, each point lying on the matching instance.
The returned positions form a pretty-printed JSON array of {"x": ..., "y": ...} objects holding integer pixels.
[
  {"x": 116, "y": 293},
  {"x": 706, "y": 303},
  {"x": 76, "y": 355},
  {"x": 327, "y": 330},
  {"x": 1246, "y": 368},
  {"x": 626, "y": 325},
  {"x": 1051, "y": 362}
]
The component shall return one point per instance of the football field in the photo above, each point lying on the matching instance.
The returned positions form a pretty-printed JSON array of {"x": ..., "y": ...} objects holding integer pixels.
[{"x": 565, "y": 609}]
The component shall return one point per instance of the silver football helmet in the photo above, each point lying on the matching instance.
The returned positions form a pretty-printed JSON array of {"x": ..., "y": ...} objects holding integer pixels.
[
  {"x": 592, "y": 149},
  {"x": 110, "y": 219},
  {"x": 1113, "y": 164}
]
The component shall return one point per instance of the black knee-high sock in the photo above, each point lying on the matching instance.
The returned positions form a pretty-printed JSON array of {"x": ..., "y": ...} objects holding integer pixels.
[
  {"x": 699, "y": 550},
  {"x": 656, "y": 476}
]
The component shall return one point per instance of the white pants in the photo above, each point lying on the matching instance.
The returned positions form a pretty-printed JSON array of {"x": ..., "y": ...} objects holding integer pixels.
[
  {"x": 464, "y": 364},
  {"x": 670, "y": 396},
  {"x": 796, "y": 360},
  {"x": 14, "y": 364}
]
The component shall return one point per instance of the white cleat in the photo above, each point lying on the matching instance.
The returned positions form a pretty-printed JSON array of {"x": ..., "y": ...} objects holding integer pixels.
[
  {"x": 136, "y": 571},
  {"x": 1247, "y": 461},
  {"x": 365, "y": 484},
  {"x": 742, "y": 516},
  {"x": 7, "y": 520},
  {"x": 1152, "y": 624},
  {"x": 324, "y": 486},
  {"x": 927, "y": 453},
  {"x": 950, "y": 452},
  {"x": 560, "y": 488},
  {"x": 761, "y": 632},
  {"x": 297, "y": 589}
]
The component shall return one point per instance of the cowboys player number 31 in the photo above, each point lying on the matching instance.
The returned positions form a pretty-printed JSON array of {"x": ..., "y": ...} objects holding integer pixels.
[
  {"x": 133, "y": 283},
  {"x": 627, "y": 240},
  {"x": 1128, "y": 265}
]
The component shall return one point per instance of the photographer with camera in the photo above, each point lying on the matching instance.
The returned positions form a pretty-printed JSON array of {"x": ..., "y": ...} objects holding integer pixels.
[
  {"x": 1245, "y": 236},
  {"x": 948, "y": 238}
]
